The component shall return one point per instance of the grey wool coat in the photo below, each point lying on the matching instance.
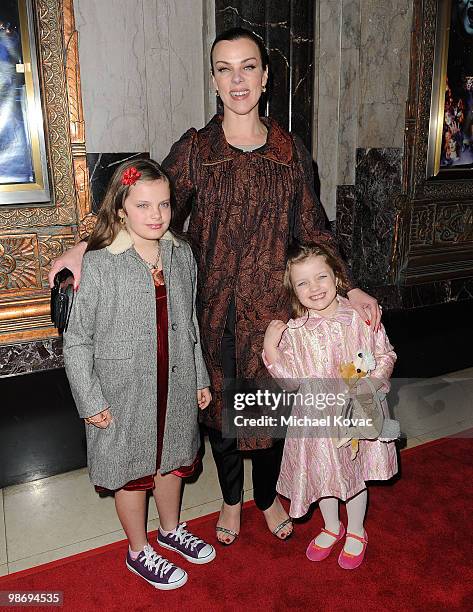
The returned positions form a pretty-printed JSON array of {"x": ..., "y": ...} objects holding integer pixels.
[{"x": 110, "y": 354}]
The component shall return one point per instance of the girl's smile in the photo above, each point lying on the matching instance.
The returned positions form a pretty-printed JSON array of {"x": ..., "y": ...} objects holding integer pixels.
[
  {"x": 314, "y": 284},
  {"x": 319, "y": 296}
]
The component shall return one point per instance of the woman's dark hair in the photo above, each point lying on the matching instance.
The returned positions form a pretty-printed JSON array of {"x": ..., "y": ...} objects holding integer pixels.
[{"x": 236, "y": 34}]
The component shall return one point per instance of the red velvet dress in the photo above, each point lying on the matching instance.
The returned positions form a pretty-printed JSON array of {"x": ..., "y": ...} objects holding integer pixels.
[{"x": 147, "y": 482}]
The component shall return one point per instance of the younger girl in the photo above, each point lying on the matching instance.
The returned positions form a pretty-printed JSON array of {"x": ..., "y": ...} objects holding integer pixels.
[
  {"x": 133, "y": 359},
  {"x": 326, "y": 333}
]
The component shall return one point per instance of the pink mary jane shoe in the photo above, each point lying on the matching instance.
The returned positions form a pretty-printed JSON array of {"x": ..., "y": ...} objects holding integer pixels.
[
  {"x": 315, "y": 552},
  {"x": 349, "y": 561}
]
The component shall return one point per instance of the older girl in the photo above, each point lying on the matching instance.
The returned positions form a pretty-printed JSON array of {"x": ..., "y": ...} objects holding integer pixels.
[{"x": 135, "y": 366}]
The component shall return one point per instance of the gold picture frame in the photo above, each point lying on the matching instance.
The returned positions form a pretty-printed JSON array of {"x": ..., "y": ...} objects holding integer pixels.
[{"x": 32, "y": 234}]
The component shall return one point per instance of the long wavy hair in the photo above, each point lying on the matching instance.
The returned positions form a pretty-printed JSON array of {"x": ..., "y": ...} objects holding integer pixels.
[
  {"x": 299, "y": 252},
  {"x": 108, "y": 223}
]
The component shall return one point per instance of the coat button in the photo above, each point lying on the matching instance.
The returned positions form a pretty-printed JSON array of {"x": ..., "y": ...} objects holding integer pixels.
[
  {"x": 173, "y": 327},
  {"x": 174, "y": 369}
]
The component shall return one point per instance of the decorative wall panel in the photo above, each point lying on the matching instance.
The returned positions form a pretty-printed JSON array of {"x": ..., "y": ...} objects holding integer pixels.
[
  {"x": 32, "y": 235},
  {"x": 435, "y": 217}
]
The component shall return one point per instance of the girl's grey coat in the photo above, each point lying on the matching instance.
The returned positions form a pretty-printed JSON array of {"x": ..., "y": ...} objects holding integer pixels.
[{"x": 110, "y": 353}]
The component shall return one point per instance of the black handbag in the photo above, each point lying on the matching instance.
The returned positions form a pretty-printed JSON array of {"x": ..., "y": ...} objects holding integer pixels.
[{"x": 62, "y": 296}]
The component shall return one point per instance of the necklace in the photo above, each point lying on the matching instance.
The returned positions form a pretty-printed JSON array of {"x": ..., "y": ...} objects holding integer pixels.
[{"x": 153, "y": 266}]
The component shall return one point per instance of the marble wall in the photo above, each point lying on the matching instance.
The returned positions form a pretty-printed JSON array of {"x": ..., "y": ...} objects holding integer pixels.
[
  {"x": 362, "y": 90},
  {"x": 143, "y": 82},
  {"x": 366, "y": 218},
  {"x": 384, "y": 72},
  {"x": 27, "y": 357},
  {"x": 365, "y": 226},
  {"x": 286, "y": 27},
  {"x": 361, "y": 82}
]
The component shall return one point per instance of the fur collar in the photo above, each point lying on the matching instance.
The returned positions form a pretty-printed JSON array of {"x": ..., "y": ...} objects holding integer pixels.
[{"x": 123, "y": 242}]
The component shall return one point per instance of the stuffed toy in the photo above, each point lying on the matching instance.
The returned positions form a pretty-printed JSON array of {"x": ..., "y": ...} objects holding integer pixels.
[{"x": 364, "y": 410}]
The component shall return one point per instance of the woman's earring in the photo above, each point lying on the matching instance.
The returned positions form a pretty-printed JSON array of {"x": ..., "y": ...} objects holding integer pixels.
[
  {"x": 216, "y": 93},
  {"x": 263, "y": 88},
  {"x": 122, "y": 219}
]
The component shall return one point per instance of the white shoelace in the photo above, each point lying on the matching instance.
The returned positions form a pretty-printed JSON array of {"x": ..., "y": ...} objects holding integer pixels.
[
  {"x": 155, "y": 562},
  {"x": 184, "y": 537}
]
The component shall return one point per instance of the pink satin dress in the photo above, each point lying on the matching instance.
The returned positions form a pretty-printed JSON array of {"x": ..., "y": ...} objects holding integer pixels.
[{"x": 312, "y": 465}]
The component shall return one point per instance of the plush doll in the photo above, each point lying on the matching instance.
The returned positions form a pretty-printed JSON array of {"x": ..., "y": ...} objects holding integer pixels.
[{"x": 364, "y": 403}]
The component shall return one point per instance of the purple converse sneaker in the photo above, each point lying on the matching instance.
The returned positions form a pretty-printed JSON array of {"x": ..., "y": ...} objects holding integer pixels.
[
  {"x": 189, "y": 546},
  {"x": 158, "y": 571}
]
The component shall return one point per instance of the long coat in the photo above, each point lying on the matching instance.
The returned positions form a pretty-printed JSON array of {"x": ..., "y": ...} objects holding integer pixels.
[
  {"x": 244, "y": 207},
  {"x": 110, "y": 353}
]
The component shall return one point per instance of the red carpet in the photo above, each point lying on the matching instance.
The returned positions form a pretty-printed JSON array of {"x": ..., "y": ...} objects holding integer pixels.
[{"x": 419, "y": 556}]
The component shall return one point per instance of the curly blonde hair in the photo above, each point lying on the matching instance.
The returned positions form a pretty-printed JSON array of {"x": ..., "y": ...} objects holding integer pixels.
[{"x": 301, "y": 252}]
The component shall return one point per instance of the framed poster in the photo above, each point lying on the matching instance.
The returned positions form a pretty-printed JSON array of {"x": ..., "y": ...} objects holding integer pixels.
[
  {"x": 450, "y": 147},
  {"x": 23, "y": 163}
]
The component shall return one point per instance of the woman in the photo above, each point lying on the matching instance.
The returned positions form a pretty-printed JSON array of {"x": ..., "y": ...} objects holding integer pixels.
[{"x": 248, "y": 186}]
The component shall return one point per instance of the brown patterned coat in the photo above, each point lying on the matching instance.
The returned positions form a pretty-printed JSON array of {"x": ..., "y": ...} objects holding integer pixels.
[{"x": 243, "y": 209}]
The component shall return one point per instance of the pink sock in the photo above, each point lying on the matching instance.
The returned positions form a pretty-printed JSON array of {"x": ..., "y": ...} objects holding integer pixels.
[
  {"x": 166, "y": 533},
  {"x": 133, "y": 554}
]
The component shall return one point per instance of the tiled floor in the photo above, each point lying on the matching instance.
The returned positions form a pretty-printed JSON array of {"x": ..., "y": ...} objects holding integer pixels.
[{"x": 59, "y": 516}]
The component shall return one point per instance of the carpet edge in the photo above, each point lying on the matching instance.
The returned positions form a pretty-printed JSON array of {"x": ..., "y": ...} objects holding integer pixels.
[{"x": 100, "y": 549}]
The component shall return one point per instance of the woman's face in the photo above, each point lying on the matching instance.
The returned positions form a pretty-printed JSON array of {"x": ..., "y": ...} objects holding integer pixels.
[
  {"x": 147, "y": 210},
  {"x": 238, "y": 74}
]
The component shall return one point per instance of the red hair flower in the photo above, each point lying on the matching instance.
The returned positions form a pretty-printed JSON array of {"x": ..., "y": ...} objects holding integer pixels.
[{"x": 130, "y": 176}]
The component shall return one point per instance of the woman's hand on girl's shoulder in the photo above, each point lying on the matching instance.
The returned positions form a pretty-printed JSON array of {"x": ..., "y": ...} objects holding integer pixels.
[
  {"x": 204, "y": 397},
  {"x": 71, "y": 259},
  {"x": 101, "y": 420},
  {"x": 366, "y": 306}
]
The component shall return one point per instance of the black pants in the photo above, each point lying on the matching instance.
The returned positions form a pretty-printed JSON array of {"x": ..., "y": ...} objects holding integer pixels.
[{"x": 228, "y": 459}]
